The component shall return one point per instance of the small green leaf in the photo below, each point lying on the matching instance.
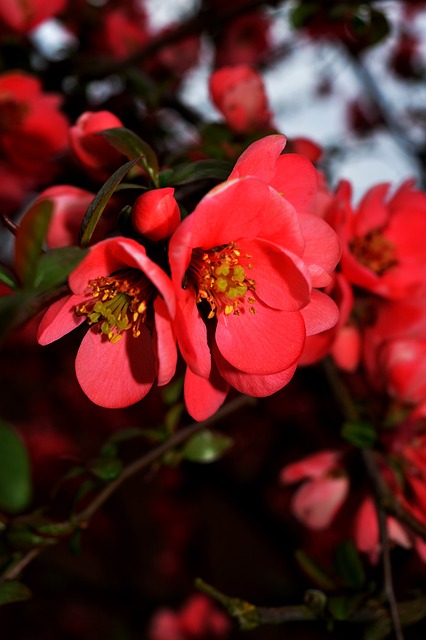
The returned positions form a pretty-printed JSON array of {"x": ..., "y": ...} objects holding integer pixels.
[
  {"x": 99, "y": 202},
  {"x": 13, "y": 592},
  {"x": 201, "y": 170},
  {"x": 29, "y": 240},
  {"x": 342, "y": 607},
  {"x": 55, "y": 266},
  {"x": 14, "y": 308},
  {"x": 173, "y": 391},
  {"x": 347, "y": 564},
  {"x": 7, "y": 277},
  {"x": 128, "y": 143},
  {"x": 106, "y": 469},
  {"x": 360, "y": 434},
  {"x": 25, "y": 539},
  {"x": 15, "y": 473},
  {"x": 206, "y": 446},
  {"x": 172, "y": 417},
  {"x": 314, "y": 571}
]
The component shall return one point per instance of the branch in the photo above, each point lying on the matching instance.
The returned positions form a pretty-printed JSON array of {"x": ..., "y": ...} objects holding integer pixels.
[{"x": 80, "y": 520}]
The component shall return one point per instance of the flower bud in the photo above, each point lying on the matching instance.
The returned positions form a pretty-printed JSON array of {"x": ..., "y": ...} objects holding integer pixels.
[
  {"x": 97, "y": 156},
  {"x": 156, "y": 214}
]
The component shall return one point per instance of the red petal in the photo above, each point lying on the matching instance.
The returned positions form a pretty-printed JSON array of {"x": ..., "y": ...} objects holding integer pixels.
[
  {"x": 297, "y": 180},
  {"x": 204, "y": 397},
  {"x": 59, "y": 319},
  {"x": 249, "y": 384},
  {"x": 282, "y": 281},
  {"x": 115, "y": 375},
  {"x": 317, "y": 501},
  {"x": 268, "y": 341},
  {"x": 259, "y": 159},
  {"x": 320, "y": 314},
  {"x": 164, "y": 343}
]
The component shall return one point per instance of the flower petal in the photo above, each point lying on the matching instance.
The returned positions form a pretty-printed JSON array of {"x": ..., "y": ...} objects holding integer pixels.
[
  {"x": 317, "y": 501},
  {"x": 259, "y": 159},
  {"x": 268, "y": 341},
  {"x": 59, "y": 319},
  {"x": 320, "y": 314},
  {"x": 282, "y": 281},
  {"x": 203, "y": 397},
  {"x": 191, "y": 333},
  {"x": 164, "y": 343},
  {"x": 115, "y": 375},
  {"x": 297, "y": 180},
  {"x": 250, "y": 384}
]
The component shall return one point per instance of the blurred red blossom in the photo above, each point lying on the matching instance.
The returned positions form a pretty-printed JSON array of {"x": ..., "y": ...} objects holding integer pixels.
[
  {"x": 198, "y": 618},
  {"x": 239, "y": 94}
]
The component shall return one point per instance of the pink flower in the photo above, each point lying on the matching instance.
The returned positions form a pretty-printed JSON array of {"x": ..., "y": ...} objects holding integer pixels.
[
  {"x": 245, "y": 265},
  {"x": 155, "y": 214},
  {"x": 93, "y": 151},
  {"x": 382, "y": 241},
  {"x": 128, "y": 302},
  {"x": 239, "y": 94},
  {"x": 325, "y": 488},
  {"x": 366, "y": 531}
]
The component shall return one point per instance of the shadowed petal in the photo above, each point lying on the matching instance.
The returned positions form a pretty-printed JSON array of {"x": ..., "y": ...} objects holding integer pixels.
[
  {"x": 115, "y": 375},
  {"x": 59, "y": 319}
]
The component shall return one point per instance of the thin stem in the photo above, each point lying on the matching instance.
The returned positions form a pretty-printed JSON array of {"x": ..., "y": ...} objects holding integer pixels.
[
  {"x": 8, "y": 223},
  {"x": 377, "y": 482},
  {"x": 81, "y": 519}
]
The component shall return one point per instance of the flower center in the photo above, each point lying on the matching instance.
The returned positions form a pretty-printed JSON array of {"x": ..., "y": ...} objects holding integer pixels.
[
  {"x": 374, "y": 251},
  {"x": 219, "y": 278},
  {"x": 119, "y": 303}
]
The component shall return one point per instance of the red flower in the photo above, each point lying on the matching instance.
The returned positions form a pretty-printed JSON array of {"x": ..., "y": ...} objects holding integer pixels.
[
  {"x": 239, "y": 93},
  {"x": 245, "y": 265},
  {"x": 382, "y": 242},
  {"x": 24, "y": 16},
  {"x": 32, "y": 129},
  {"x": 130, "y": 341},
  {"x": 97, "y": 156}
]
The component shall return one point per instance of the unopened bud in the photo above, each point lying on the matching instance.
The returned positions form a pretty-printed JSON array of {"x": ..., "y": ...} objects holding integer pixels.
[{"x": 156, "y": 214}]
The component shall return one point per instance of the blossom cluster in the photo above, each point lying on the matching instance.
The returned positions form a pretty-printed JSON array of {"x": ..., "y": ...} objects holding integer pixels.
[{"x": 237, "y": 285}]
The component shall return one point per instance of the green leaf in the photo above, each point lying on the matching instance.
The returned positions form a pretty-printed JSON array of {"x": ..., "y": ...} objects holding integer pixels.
[
  {"x": 14, "y": 307},
  {"x": 201, "y": 170},
  {"x": 342, "y": 607},
  {"x": 206, "y": 446},
  {"x": 360, "y": 434},
  {"x": 7, "y": 278},
  {"x": 99, "y": 202},
  {"x": 347, "y": 564},
  {"x": 55, "y": 266},
  {"x": 25, "y": 539},
  {"x": 314, "y": 571},
  {"x": 106, "y": 469},
  {"x": 128, "y": 143},
  {"x": 29, "y": 240},
  {"x": 173, "y": 391},
  {"x": 13, "y": 592},
  {"x": 15, "y": 473}
]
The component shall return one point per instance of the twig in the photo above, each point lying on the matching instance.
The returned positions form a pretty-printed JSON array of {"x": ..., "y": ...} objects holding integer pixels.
[
  {"x": 80, "y": 520},
  {"x": 8, "y": 223},
  {"x": 377, "y": 482}
]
